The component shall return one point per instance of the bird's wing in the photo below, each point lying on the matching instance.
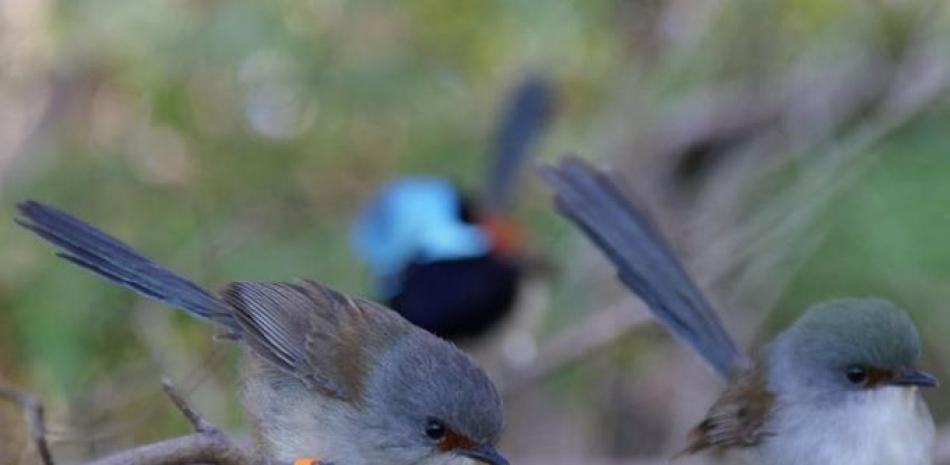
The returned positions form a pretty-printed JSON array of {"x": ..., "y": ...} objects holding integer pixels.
[
  {"x": 644, "y": 261},
  {"x": 320, "y": 336},
  {"x": 739, "y": 418},
  {"x": 524, "y": 120}
]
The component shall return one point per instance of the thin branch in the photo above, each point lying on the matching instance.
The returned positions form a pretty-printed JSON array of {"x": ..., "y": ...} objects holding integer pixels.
[
  {"x": 198, "y": 422},
  {"x": 601, "y": 329},
  {"x": 205, "y": 447},
  {"x": 32, "y": 411}
]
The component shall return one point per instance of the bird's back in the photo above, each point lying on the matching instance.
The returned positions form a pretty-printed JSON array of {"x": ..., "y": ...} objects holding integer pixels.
[{"x": 456, "y": 299}]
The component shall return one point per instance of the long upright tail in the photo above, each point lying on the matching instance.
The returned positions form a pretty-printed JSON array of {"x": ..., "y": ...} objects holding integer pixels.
[
  {"x": 111, "y": 259},
  {"x": 528, "y": 112},
  {"x": 644, "y": 261}
]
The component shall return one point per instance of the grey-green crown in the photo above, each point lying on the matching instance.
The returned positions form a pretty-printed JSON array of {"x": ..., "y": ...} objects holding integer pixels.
[
  {"x": 424, "y": 378},
  {"x": 841, "y": 332}
]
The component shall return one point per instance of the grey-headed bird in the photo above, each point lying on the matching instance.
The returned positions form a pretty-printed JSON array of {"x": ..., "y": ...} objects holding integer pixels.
[
  {"x": 838, "y": 387},
  {"x": 325, "y": 375}
]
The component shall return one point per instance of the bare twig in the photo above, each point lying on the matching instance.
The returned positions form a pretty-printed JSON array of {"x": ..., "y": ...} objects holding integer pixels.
[
  {"x": 205, "y": 447},
  {"x": 600, "y": 330},
  {"x": 198, "y": 422},
  {"x": 33, "y": 414}
]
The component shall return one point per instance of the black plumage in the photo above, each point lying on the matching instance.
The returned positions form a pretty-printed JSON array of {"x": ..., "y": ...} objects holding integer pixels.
[{"x": 448, "y": 262}]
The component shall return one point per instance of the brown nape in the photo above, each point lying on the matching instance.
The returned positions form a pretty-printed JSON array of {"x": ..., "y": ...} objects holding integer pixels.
[{"x": 455, "y": 441}]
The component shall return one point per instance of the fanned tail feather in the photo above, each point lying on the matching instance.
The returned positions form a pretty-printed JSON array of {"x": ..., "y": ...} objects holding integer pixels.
[
  {"x": 524, "y": 120},
  {"x": 115, "y": 261},
  {"x": 644, "y": 261}
]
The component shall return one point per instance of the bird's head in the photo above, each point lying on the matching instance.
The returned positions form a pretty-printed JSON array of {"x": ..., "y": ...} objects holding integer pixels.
[
  {"x": 849, "y": 345},
  {"x": 415, "y": 219},
  {"x": 424, "y": 219},
  {"x": 428, "y": 403}
]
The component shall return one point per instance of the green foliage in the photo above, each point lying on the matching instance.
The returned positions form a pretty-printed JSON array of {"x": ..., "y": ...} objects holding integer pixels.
[
  {"x": 887, "y": 233},
  {"x": 233, "y": 140}
]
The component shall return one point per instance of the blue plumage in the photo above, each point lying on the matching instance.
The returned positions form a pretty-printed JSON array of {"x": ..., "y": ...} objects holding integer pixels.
[
  {"x": 414, "y": 220},
  {"x": 444, "y": 261}
]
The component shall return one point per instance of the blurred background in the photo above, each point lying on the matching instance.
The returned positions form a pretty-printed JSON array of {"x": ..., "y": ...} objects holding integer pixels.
[{"x": 794, "y": 150}]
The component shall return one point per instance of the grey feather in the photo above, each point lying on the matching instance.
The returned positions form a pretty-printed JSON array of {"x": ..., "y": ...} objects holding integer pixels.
[
  {"x": 328, "y": 374},
  {"x": 645, "y": 263},
  {"x": 110, "y": 258},
  {"x": 318, "y": 335}
]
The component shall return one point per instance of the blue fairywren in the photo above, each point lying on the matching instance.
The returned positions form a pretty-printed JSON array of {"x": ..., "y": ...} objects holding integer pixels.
[
  {"x": 447, "y": 262},
  {"x": 838, "y": 387},
  {"x": 324, "y": 374}
]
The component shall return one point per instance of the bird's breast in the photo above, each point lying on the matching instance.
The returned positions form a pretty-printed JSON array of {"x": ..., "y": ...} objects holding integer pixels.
[
  {"x": 291, "y": 421},
  {"x": 887, "y": 426}
]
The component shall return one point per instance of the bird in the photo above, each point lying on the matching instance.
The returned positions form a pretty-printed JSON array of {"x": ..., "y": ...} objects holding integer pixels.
[
  {"x": 839, "y": 386},
  {"x": 324, "y": 374},
  {"x": 448, "y": 261}
]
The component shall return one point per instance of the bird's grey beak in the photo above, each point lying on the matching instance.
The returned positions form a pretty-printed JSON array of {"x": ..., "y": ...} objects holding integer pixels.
[
  {"x": 485, "y": 454},
  {"x": 912, "y": 377}
]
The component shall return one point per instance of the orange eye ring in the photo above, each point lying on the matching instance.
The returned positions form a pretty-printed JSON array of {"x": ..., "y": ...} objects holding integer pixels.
[
  {"x": 867, "y": 376},
  {"x": 454, "y": 441}
]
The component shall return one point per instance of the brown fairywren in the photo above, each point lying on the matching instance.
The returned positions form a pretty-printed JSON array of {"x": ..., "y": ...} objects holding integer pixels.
[
  {"x": 325, "y": 374},
  {"x": 838, "y": 387}
]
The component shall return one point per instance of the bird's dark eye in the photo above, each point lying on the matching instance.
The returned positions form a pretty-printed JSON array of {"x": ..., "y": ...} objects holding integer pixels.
[
  {"x": 435, "y": 430},
  {"x": 857, "y": 374}
]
